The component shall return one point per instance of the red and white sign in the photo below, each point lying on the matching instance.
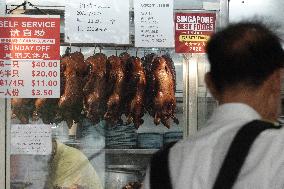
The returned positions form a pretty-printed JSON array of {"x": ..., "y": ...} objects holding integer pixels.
[
  {"x": 30, "y": 56},
  {"x": 192, "y": 31}
]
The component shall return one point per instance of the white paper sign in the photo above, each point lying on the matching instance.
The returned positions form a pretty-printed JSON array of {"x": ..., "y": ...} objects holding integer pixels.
[
  {"x": 31, "y": 139},
  {"x": 2, "y": 7},
  {"x": 154, "y": 24},
  {"x": 100, "y": 21}
]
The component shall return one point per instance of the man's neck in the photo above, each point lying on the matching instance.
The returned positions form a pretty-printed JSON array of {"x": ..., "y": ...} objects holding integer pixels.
[{"x": 257, "y": 99}]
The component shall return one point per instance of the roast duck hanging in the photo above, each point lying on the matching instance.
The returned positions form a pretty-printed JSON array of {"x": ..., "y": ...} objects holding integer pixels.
[
  {"x": 160, "y": 98},
  {"x": 95, "y": 95},
  {"x": 105, "y": 88}
]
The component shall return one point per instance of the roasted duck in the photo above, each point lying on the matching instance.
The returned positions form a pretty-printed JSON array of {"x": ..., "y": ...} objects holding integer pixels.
[
  {"x": 47, "y": 110},
  {"x": 133, "y": 185},
  {"x": 135, "y": 86},
  {"x": 22, "y": 108},
  {"x": 116, "y": 82},
  {"x": 124, "y": 57},
  {"x": 160, "y": 102},
  {"x": 94, "y": 90},
  {"x": 71, "y": 101}
]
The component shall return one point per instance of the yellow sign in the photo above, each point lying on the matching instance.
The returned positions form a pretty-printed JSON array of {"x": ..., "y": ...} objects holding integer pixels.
[{"x": 187, "y": 38}]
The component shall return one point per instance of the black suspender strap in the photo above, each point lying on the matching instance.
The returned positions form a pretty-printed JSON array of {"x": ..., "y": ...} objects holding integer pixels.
[
  {"x": 159, "y": 169},
  {"x": 238, "y": 152}
]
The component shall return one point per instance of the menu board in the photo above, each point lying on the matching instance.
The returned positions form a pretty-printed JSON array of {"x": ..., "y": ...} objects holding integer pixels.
[
  {"x": 154, "y": 24},
  {"x": 30, "y": 56},
  {"x": 31, "y": 139},
  {"x": 100, "y": 21},
  {"x": 192, "y": 31}
]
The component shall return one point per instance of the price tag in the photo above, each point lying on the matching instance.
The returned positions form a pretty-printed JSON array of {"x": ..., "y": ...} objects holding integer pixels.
[{"x": 30, "y": 57}]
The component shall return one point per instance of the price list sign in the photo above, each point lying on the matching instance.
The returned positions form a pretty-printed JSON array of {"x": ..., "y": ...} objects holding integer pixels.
[
  {"x": 100, "y": 21},
  {"x": 31, "y": 139},
  {"x": 192, "y": 31},
  {"x": 154, "y": 24},
  {"x": 30, "y": 57}
]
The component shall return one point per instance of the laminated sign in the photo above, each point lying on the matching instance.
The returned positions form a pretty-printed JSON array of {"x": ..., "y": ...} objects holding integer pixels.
[
  {"x": 100, "y": 21},
  {"x": 192, "y": 31},
  {"x": 154, "y": 23},
  {"x": 31, "y": 139},
  {"x": 30, "y": 57}
]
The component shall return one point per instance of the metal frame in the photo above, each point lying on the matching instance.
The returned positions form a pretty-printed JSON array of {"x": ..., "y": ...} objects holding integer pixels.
[
  {"x": 190, "y": 67},
  {"x": 2, "y": 144},
  {"x": 190, "y": 93},
  {"x": 8, "y": 141}
]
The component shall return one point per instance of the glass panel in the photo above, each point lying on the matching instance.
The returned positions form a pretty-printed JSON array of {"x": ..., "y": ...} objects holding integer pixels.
[
  {"x": 97, "y": 154},
  {"x": 87, "y": 153},
  {"x": 118, "y": 153},
  {"x": 206, "y": 103}
]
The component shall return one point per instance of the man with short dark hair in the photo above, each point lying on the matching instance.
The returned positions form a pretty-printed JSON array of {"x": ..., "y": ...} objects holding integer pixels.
[{"x": 246, "y": 61}]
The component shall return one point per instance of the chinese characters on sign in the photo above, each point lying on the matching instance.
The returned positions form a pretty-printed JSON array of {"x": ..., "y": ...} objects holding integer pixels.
[
  {"x": 154, "y": 23},
  {"x": 31, "y": 139},
  {"x": 30, "y": 57},
  {"x": 100, "y": 21},
  {"x": 192, "y": 31}
]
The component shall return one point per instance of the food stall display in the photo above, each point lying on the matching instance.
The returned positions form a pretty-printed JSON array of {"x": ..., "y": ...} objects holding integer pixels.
[{"x": 123, "y": 95}]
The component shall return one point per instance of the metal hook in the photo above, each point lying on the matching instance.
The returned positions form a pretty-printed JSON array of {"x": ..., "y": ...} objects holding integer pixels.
[
  {"x": 95, "y": 49},
  {"x": 18, "y": 6},
  {"x": 161, "y": 51},
  {"x": 68, "y": 50},
  {"x": 136, "y": 52},
  {"x": 126, "y": 49}
]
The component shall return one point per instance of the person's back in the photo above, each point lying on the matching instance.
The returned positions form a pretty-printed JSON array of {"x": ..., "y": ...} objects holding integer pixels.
[
  {"x": 246, "y": 61},
  {"x": 195, "y": 163}
]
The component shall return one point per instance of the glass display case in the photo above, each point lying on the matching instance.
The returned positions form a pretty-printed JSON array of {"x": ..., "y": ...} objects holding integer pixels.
[{"x": 116, "y": 154}]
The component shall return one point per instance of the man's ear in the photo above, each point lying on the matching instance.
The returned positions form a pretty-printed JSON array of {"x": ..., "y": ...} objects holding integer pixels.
[
  {"x": 211, "y": 86},
  {"x": 273, "y": 82}
]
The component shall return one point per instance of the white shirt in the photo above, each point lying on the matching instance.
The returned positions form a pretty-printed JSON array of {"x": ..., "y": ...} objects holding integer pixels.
[{"x": 195, "y": 162}]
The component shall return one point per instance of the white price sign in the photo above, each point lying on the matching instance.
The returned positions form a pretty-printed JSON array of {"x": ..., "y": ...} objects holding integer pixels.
[
  {"x": 30, "y": 79},
  {"x": 31, "y": 139},
  {"x": 100, "y": 21},
  {"x": 154, "y": 24},
  {"x": 29, "y": 56}
]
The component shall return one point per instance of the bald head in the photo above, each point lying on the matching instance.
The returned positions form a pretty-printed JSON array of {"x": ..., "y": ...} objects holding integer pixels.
[
  {"x": 244, "y": 53},
  {"x": 245, "y": 66}
]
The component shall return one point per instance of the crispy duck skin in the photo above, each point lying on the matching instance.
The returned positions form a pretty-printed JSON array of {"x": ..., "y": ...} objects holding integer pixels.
[
  {"x": 46, "y": 109},
  {"x": 116, "y": 79},
  {"x": 136, "y": 84},
  {"x": 71, "y": 101},
  {"x": 124, "y": 58},
  {"x": 150, "y": 88},
  {"x": 95, "y": 95},
  {"x": 22, "y": 108},
  {"x": 162, "y": 86}
]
